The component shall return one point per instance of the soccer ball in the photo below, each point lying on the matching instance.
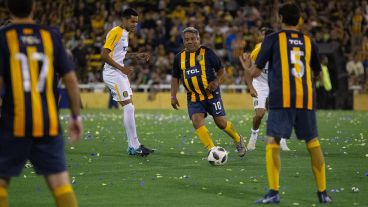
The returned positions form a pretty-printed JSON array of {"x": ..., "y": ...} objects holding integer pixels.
[{"x": 217, "y": 156}]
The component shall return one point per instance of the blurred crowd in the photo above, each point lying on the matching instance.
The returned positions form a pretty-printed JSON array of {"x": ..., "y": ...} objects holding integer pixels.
[{"x": 228, "y": 26}]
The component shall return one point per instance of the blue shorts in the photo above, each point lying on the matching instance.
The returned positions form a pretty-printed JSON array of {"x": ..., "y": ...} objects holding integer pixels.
[
  {"x": 281, "y": 122},
  {"x": 46, "y": 155},
  {"x": 214, "y": 107}
]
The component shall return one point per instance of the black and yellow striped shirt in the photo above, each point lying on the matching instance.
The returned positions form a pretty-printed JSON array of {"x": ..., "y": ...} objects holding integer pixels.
[
  {"x": 197, "y": 70},
  {"x": 292, "y": 58},
  {"x": 30, "y": 58}
]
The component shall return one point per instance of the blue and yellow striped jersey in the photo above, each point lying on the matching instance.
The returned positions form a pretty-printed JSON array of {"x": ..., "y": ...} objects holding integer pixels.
[
  {"x": 292, "y": 57},
  {"x": 30, "y": 58},
  {"x": 197, "y": 70}
]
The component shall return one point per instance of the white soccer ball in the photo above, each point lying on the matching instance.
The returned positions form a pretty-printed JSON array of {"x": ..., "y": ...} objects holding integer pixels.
[{"x": 217, "y": 156}]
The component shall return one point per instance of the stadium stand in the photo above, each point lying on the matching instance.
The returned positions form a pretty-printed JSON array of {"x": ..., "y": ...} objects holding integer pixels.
[{"x": 229, "y": 27}]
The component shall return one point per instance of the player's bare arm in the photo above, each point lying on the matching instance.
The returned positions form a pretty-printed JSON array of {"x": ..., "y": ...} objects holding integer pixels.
[
  {"x": 253, "y": 70},
  {"x": 139, "y": 56},
  {"x": 75, "y": 123},
  {"x": 246, "y": 63},
  {"x": 174, "y": 90},
  {"x": 213, "y": 85},
  {"x": 106, "y": 58}
]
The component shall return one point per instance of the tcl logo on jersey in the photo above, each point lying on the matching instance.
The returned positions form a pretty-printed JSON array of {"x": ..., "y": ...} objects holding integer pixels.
[
  {"x": 193, "y": 71},
  {"x": 295, "y": 42},
  {"x": 30, "y": 40}
]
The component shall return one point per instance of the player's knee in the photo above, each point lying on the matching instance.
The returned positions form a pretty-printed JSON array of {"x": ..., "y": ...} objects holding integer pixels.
[
  {"x": 126, "y": 102},
  {"x": 197, "y": 121},
  {"x": 273, "y": 140},
  {"x": 221, "y": 124},
  {"x": 58, "y": 179},
  {"x": 260, "y": 114},
  {"x": 128, "y": 108},
  {"x": 4, "y": 182}
]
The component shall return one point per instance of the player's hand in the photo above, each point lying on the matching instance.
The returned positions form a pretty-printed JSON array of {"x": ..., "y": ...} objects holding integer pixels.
[
  {"x": 253, "y": 92},
  {"x": 175, "y": 103},
  {"x": 127, "y": 70},
  {"x": 75, "y": 129},
  {"x": 213, "y": 85},
  {"x": 246, "y": 61},
  {"x": 144, "y": 56}
]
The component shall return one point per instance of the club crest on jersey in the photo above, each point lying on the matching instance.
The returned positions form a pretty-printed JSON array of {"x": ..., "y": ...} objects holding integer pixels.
[
  {"x": 125, "y": 94},
  {"x": 199, "y": 57}
]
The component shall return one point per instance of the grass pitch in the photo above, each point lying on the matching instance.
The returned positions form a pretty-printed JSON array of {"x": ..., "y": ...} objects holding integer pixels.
[{"x": 177, "y": 174}]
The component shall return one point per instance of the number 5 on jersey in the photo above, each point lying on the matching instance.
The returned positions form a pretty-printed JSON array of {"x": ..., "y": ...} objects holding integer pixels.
[{"x": 295, "y": 58}]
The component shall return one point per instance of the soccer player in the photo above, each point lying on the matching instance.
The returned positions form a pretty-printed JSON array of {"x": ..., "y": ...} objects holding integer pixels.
[
  {"x": 201, "y": 72},
  {"x": 293, "y": 64},
  {"x": 116, "y": 75},
  {"x": 259, "y": 90},
  {"x": 31, "y": 57}
]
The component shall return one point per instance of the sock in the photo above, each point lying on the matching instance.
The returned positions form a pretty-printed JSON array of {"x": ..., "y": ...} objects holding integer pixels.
[
  {"x": 129, "y": 124},
  {"x": 3, "y": 197},
  {"x": 273, "y": 165},
  {"x": 254, "y": 134},
  {"x": 65, "y": 197},
  {"x": 204, "y": 136},
  {"x": 318, "y": 164},
  {"x": 229, "y": 129}
]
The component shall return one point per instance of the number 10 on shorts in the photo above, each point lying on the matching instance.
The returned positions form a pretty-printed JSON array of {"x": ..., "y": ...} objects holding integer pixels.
[{"x": 217, "y": 105}]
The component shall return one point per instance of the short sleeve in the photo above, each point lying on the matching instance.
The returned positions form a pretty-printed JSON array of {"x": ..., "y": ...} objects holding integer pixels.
[
  {"x": 112, "y": 38},
  {"x": 176, "y": 73},
  {"x": 265, "y": 52},
  {"x": 314, "y": 62},
  {"x": 62, "y": 62},
  {"x": 214, "y": 60},
  {"x": 255, "y": 52}
]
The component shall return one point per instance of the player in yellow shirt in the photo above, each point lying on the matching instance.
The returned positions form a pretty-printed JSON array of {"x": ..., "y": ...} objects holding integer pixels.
[
  {"x": 259, "y": 90},
  {"x": 115, "y": 76}
]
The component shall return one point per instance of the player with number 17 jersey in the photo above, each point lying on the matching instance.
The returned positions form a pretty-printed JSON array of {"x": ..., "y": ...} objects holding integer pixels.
[{"x": 36, "y": 55}]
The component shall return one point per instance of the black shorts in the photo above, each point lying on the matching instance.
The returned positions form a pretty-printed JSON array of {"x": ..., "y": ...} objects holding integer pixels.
[
  {"x": 46, "y": 155},
  {"x": 281, "y": 122},
  {"x": 214, "y": 107}
]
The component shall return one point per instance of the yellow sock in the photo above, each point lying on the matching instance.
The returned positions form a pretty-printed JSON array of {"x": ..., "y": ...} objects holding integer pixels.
[
  {"x": 273, "y": 165},
  {"x": 318, "y": 164},
  {"x": 229, "y": 129},
  {"x": 65, "y": 197},
  {"x": 204, "y": 136},
  {"x": 3, "y": 197}
]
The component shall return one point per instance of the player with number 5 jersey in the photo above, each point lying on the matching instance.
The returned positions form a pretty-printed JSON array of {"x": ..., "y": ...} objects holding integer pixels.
[
  {"x": 201, "y": 72},
  {"x": 293, "y": 64}
]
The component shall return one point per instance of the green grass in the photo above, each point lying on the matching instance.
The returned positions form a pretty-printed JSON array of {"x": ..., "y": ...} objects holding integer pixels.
[{"x": 177, "y": 174}]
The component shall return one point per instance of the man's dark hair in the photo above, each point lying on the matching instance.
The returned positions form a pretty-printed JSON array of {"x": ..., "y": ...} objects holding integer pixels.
[
  {"x": 290, "y": 14},
  {"x": 128, "y": 13},
  {"x": 266, "y": 31},
  {"x": 19, "y": 8}
]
